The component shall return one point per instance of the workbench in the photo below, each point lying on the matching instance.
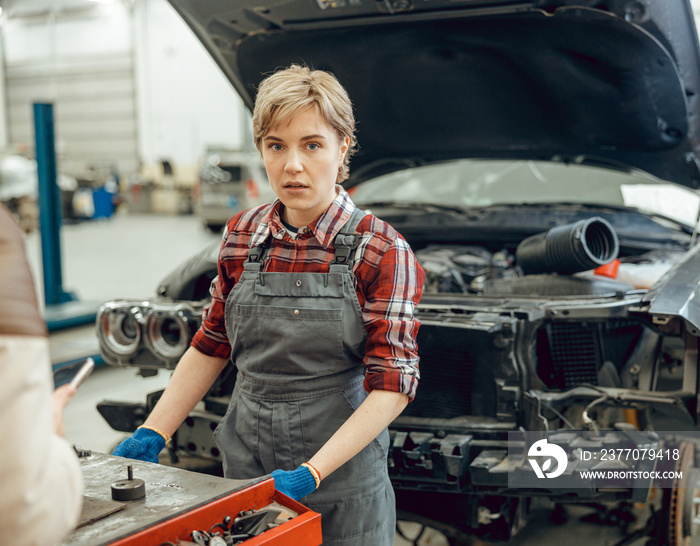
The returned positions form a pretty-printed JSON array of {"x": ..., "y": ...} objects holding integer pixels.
[{"x": 178, "y": 502}]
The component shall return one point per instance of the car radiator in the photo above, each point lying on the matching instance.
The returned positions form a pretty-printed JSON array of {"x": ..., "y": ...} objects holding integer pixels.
[
  {"x": 446, "y": 383},
  {"x": 575, "y": 353}
]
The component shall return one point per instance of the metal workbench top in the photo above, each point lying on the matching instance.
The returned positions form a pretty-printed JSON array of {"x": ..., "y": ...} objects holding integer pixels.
[{"x": 169, "y": 492}]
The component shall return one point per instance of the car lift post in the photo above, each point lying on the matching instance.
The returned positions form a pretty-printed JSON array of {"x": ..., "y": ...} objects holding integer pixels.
[{"x": 62, "y": 309}]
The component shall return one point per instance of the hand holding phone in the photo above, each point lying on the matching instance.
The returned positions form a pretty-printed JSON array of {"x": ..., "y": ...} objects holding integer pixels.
[{"x": 83, "y": 372}]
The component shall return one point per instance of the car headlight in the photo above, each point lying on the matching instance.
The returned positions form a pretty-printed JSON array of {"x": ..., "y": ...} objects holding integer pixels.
[
  {"x": 118, "y": 329},
  {"x": 168, "y": 333},
  {"x": 147, "y": 334}
]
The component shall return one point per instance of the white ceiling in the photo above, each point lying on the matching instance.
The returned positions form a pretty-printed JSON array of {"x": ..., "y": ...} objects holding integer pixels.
[{"x": 29, "y": 8}]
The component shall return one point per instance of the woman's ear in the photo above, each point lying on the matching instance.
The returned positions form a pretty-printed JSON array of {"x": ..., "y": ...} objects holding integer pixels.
[{"x": 344, "y": 146}]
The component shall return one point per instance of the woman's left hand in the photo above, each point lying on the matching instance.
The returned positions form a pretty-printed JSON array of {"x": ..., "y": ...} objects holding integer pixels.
[{"x": 295, "y": 483}]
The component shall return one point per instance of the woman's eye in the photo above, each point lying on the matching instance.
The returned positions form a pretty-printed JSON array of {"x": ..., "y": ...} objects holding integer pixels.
[
  {"x": 275, "y": 147},
  {"x": 312, "y": 146}
]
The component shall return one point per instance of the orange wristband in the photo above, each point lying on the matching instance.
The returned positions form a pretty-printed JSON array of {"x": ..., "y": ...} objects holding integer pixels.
[
  {"x": 314, "y": 473},
  {"x": 163, "y": 434}
]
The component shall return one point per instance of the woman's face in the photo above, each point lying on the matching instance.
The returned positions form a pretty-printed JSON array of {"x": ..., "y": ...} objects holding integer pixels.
[{"x": 302, "y": 158}]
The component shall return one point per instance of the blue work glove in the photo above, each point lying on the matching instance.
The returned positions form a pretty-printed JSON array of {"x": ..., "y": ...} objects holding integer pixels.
[
  {"x": 295, "y": 483},
  {"x": 143, "y": 445}
]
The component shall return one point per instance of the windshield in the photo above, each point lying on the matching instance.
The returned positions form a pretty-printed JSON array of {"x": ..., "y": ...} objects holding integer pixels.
[{"x": 481, "y": 183}]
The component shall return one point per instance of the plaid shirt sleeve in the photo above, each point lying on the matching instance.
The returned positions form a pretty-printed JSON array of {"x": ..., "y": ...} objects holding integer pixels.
[
  {"x": 391, "y": 293},
  {"x": 211, "y": 338}
]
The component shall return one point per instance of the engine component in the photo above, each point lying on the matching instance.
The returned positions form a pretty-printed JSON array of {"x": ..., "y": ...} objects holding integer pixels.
[
  {"x": 451, "y": 268},
  {"x": 570, "y": 248}
]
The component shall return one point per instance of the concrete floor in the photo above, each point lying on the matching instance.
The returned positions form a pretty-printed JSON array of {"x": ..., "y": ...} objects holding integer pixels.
[{"x": 125, "y": 257}]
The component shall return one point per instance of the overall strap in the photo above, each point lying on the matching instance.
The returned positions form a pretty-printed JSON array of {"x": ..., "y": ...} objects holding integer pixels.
[
  {"x": 346, "y": 242},
  {"x": 255, "y": 256}
]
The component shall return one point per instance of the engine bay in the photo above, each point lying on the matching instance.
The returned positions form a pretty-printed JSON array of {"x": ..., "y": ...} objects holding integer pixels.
[{"x": 578, "y": 259}]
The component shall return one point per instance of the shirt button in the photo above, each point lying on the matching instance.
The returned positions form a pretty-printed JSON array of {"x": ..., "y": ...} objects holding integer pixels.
[
  {"x": 296, "y": 311},
  {"x": 298, "y": 283}
]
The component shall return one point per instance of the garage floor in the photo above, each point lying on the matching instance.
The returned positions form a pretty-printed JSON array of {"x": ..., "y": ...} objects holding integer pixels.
[{"x": 125, "y": 257}]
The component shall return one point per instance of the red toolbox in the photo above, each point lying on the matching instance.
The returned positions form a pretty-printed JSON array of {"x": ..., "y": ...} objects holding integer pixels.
[{"x": 178, "y": 502}]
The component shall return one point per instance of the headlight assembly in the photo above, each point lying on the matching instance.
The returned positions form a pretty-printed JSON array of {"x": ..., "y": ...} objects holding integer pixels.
[
  {"x": 146, "y": 334},
  {"x": 169, "y": 332},
  {"x": 118, "y": 329}
]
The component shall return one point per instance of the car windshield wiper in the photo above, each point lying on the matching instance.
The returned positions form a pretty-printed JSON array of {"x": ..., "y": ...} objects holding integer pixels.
[{"x": 426, "y": 207}]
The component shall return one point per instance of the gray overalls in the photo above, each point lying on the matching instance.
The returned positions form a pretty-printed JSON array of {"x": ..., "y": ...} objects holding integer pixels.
[{"x": 297, "y": 340}]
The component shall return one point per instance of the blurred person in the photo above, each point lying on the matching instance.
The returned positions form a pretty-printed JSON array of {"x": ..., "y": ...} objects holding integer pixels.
[{"x": 40, "y": 478}]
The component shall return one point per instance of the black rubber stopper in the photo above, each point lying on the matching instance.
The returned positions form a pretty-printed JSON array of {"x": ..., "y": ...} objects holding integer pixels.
[{"x": 129, "y": 489}]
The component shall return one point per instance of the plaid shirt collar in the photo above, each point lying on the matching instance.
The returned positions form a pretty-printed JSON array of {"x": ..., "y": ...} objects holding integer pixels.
[{"x": 324, "y": 228}]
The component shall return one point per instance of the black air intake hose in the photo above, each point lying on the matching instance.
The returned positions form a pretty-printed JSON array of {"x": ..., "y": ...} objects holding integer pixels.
[{"x": 570, "y": 248}]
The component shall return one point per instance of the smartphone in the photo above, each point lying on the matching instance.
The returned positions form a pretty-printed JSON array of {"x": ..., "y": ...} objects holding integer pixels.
[{"x": 83, "y": 372}]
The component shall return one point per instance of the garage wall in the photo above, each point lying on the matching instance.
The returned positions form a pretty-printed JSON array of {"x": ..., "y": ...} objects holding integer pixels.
[
  {"x": 81, "y": 60},
  {"x": 185, "y": 102},
  {"x": 130, "y": 84}
]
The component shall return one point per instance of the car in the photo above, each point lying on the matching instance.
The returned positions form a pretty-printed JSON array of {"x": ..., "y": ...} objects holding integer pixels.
[
  {"x": 229, "y": 181},
  {"x": 541, "y": 159}
]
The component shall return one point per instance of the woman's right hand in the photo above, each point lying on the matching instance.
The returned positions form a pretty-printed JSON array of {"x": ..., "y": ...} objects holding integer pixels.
[
  {"x": 144, "y": 445},
  {"x": 192, "y": 378}
]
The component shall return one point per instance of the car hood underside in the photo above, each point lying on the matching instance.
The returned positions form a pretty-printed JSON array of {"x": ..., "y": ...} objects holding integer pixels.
[{"x": 530, "y": 80}]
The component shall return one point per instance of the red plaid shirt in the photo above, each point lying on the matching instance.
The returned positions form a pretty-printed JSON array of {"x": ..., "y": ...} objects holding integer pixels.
[{"x": 389, "y": 286}]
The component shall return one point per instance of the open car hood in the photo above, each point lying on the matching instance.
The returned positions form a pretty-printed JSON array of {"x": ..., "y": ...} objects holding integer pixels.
[{"x": 615, "y": 82}]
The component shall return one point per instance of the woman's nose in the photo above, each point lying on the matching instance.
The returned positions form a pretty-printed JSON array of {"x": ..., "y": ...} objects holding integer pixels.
[{"x": 293, "y": 162}]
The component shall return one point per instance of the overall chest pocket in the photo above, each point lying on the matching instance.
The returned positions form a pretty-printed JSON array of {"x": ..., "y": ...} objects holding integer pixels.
[{"x": 287, "y": 340}]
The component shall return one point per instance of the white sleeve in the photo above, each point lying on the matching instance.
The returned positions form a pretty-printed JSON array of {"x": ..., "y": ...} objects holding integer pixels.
[{"x": 40, "y": 478}]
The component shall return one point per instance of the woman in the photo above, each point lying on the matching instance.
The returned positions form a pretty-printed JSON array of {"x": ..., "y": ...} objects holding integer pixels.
[{"x": 314, "y": 304}]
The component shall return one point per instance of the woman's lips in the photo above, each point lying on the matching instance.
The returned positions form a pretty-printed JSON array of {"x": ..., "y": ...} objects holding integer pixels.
[{"x": 295, "y": 188}]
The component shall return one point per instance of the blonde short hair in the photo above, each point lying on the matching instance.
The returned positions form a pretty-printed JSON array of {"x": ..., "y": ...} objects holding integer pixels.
[{"x": 292, "y": 90}]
